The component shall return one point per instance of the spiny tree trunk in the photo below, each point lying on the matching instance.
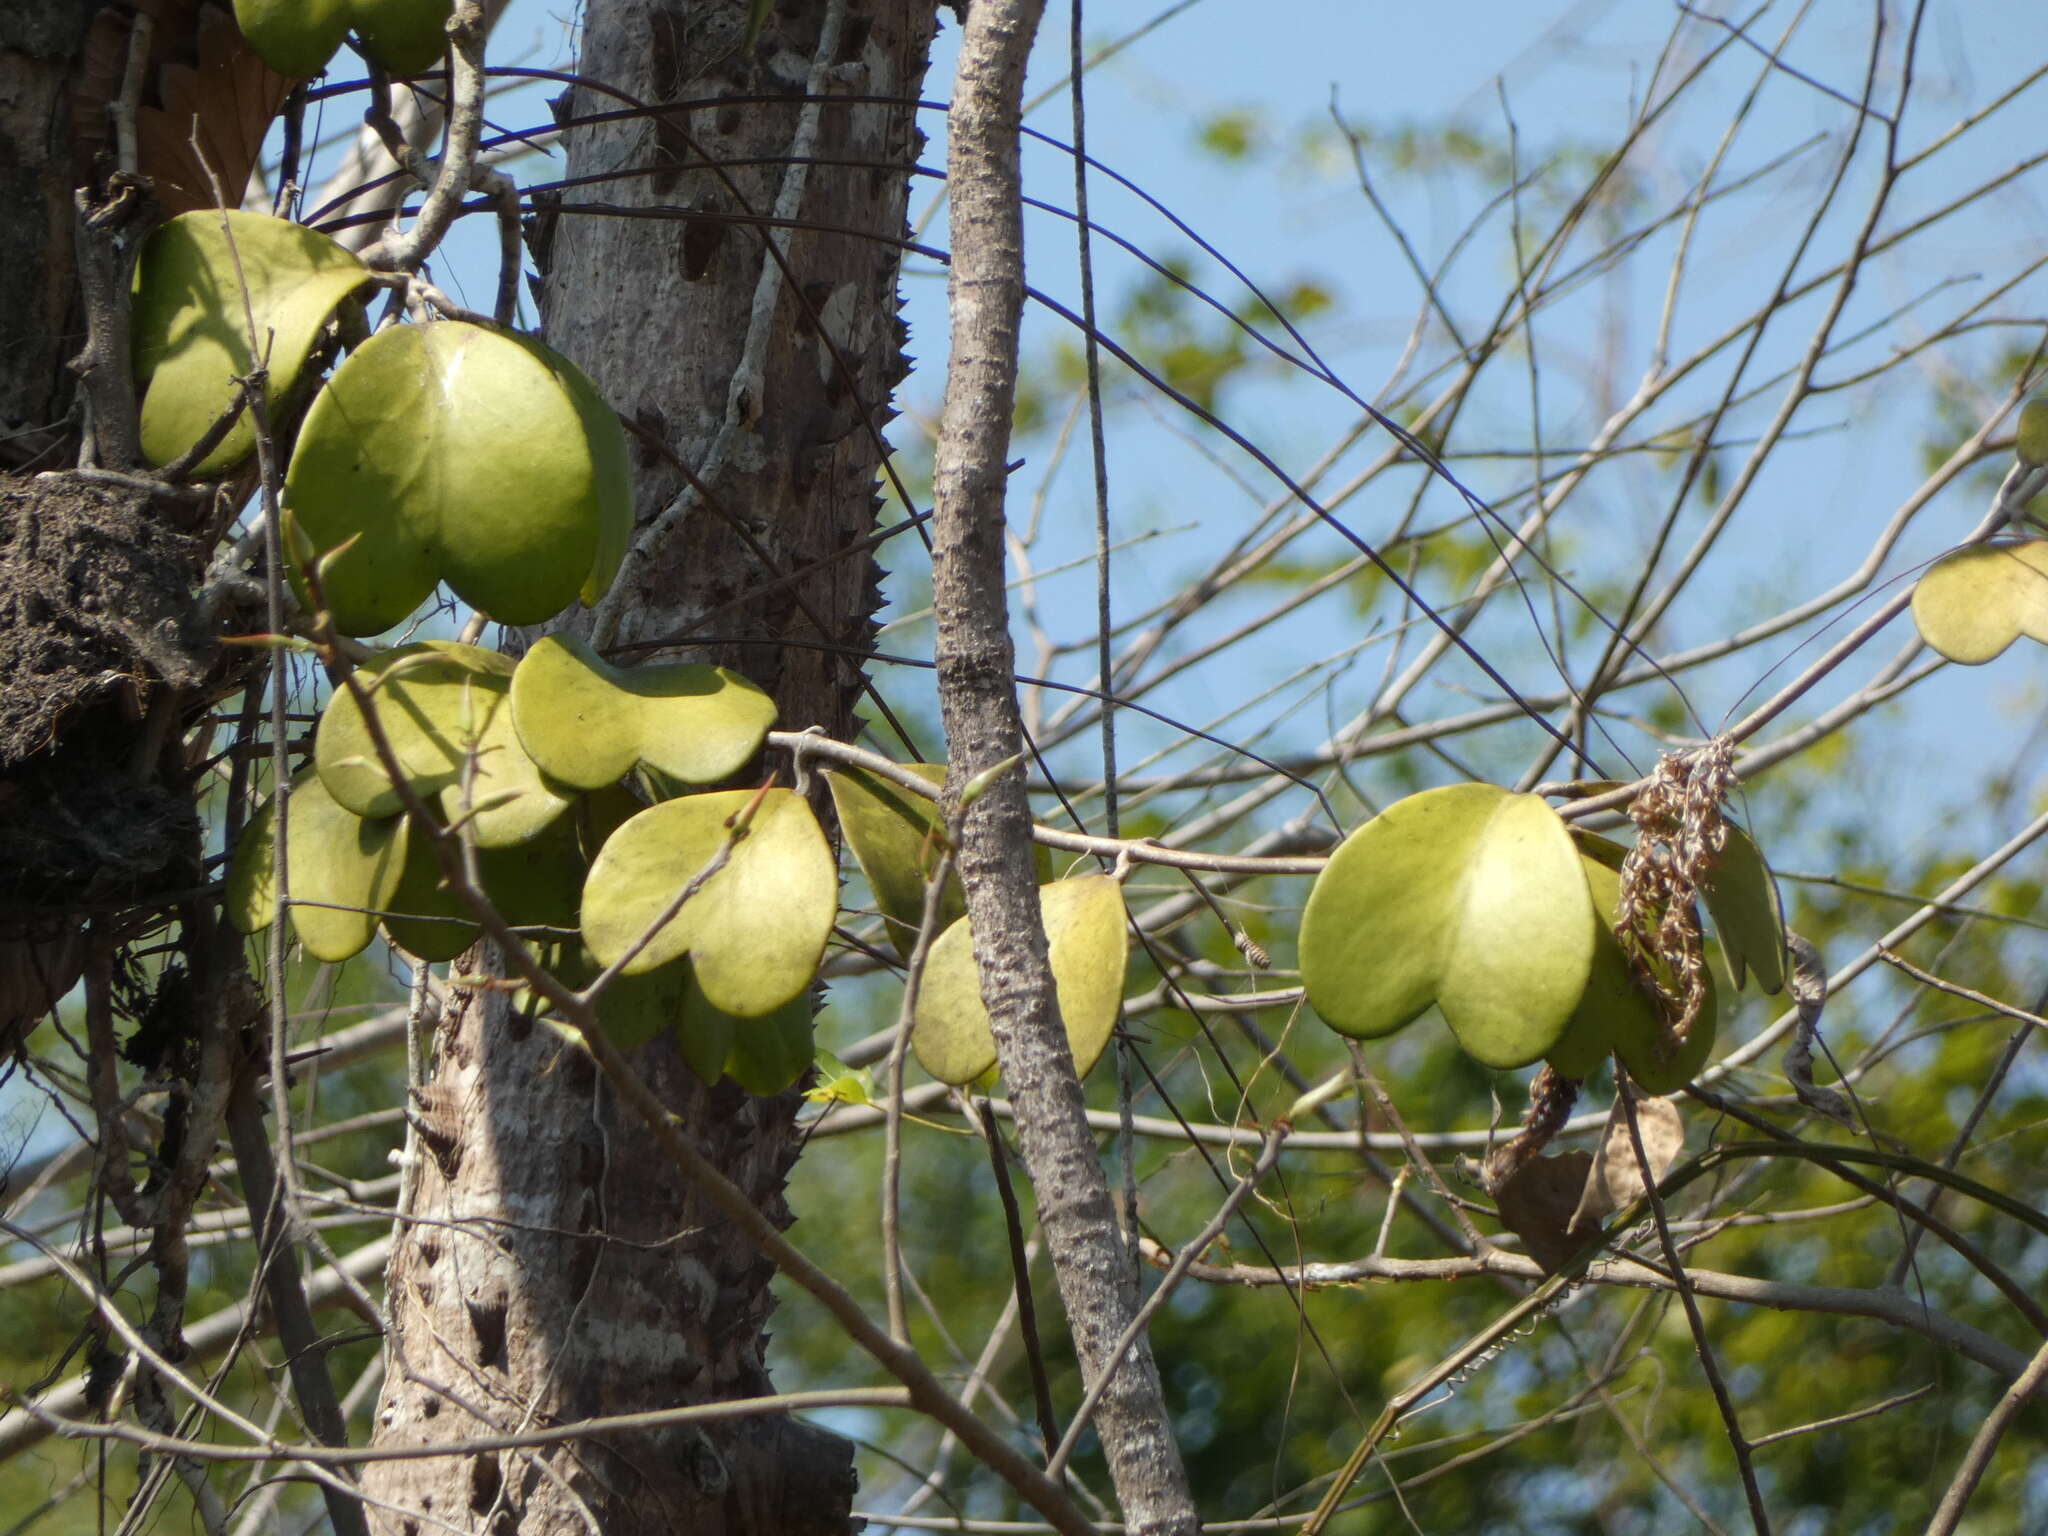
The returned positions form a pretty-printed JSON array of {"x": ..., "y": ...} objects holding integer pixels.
[{"x": 562, "y": 1270}]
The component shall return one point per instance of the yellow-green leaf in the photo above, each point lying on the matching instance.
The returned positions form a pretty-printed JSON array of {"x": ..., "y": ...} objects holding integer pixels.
[
  {"x": 840, "y": 1084},
  {"x": 1974, "y": 603},
  {"x": 407, "y": 37},
  {"x": 755, "y": 930},
  {"x": 191, "y": 332},
  {"x": 461, "y": 453},
  {"x": 891, "y": 832},
  {"x": 294, "y": 37},
  {"x": 1468, "y": 897},
  {"x": 2031, "y": 441},
  {"x": 589, "y": 723},
  {"x": 534, "y": 884},
  {"x": 443, "y": 709},
  {"x": 1084, "y": 931},
  {"x": 344, "y": 871},
  {"x": 1743, "y": 901}
]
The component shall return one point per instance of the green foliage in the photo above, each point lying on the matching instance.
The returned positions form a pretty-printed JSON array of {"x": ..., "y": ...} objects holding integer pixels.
[
  {"x": 896, "y": 837},
  {"x": 588, "y": 723},
  {"x": 344, "y": 870},
  {"x": 1466, "y": 897},
  {"x": 445, "y": 451},
  {"x": 532, "y": 884},
  {"x": 1084, "y": 932},
  {"x": 407, "y": 37},
  {"x": 1231, "y": 135},
  {"x": 192, "y": 332},
  {"x": 1748, "y": 913},
  {"x": 461, "y": 453},
  {"x": 1614, "y": 1015},
  {"x": 2030, "y": 440},
  {"x": 444, "y": 712},
  {"x": 1974, "y": 603},
  {"x": 294, "y": 37},
  {"x": 759, "y": 924}
]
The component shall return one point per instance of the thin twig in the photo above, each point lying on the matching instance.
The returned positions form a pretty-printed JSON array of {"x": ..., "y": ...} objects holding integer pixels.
[
  {"x": 1948, "y": 1515},
  {"x": 892, "y": 1128},
  {"x": 1758, "y": 1514}
]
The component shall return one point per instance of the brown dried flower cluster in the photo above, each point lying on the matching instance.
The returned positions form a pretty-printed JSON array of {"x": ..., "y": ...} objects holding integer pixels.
[{"x": 1680, "y": 832}]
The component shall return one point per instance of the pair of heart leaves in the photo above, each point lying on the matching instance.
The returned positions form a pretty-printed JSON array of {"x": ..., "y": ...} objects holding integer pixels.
[
  {"x": 439, "y": 452},
  {"x": 297, "y": 37},
  {"x": 348, "y": 872},
  {"x": 1974, "y": 603},
  {"x": 1486, "y": 905},
  {"x": 504, "y": 751},
  {"x": 1085, "y": 941},
  {"x": 510, "y": 745},
  {"x": 753, "y": 933}
]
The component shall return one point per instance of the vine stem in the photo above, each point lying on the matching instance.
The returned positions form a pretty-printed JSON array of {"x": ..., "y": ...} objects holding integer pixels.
[{"x": 984, "y": 729}]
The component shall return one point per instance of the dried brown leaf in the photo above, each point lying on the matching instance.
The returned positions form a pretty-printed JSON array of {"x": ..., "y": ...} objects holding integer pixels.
[
  {"x": 1538, "y": 1201},
  {"x": 1616, "y": 1178}
]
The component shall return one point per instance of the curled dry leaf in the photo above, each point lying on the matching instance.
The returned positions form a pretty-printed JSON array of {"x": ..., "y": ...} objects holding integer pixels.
[
  {"x": 1810, "y": 995},
  {"x": 1616, "y": 1176},
  {"x": 1538, "y": 1202}
]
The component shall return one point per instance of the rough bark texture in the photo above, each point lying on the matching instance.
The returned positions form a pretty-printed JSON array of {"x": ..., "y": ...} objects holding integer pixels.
[
  {"x": 562, "y": 1268},
  {"x": 977, "y": 696},
  {"x": 40, "y": 43}
]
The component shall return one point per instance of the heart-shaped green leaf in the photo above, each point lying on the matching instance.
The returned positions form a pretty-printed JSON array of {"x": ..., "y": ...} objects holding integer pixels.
[
  {"x": 1615, "y": 1015},
  {"x": 1468, "y": 897},
  {"x": 1084, "y": 933},
  {"x": 343, "y": 870},
  {"x": 1974, "y": 603},
  {"x": 407, "y": 37},
  {"x": 460, "y": 453},
  {"x": 772, "y": 1052},
  {"x": 191, "y": 332},
  {"x": 588, "y": 723},
  {"x": 755, "y": 929},
  {"x": 444, "y": 711},
  {"x": 1748, "y": 916},
  {"x": 294, "y": 37},
  {"x": 890, "y": 831},
  {"x": 534, "y": 884}
]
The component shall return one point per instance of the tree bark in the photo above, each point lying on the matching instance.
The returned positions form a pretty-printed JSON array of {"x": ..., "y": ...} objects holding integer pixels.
[
  {"x": 978, "y": 699},
  {"x": 40, "y": 46},
  {"x": 561, "y": 1269}
]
